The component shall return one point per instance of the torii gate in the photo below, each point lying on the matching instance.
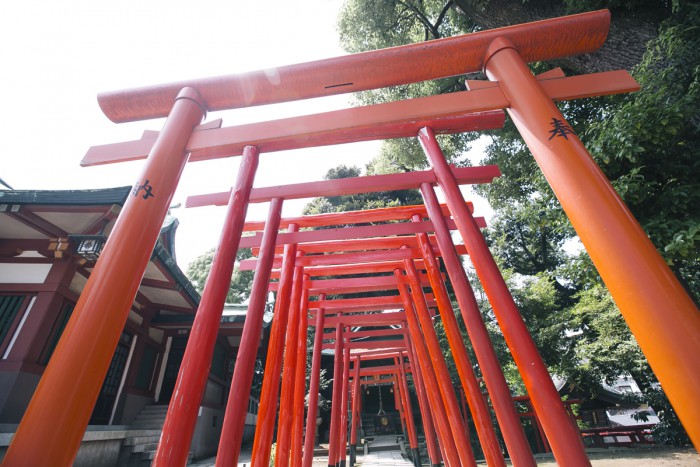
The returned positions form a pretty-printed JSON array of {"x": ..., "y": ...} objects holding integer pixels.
[
  {"x": 661, "y": 315},
  {"x": 340, "y": 286}
]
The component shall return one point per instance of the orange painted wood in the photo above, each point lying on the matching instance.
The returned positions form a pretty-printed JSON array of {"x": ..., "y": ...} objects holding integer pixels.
[
  {"x": 179, "y": 425},
  {"x": 375, "y": 354},
  {"x": 53, "y": 425},
  {"x": 359, "y": 305},
  {"x": 351, "y": 285},
  {"x": 380, "y": 256},
  {"x": 537, "y": 41},
  {"x": 660, "y": 313},
  {"x": 314, "y": 383},
  {"x": 560, "y": 430},
  {"x": 349, "y": 186},
  {"x": 352, "y": 217},
  {"x": 361, "y": 334},
  {"x": 475, "y": 110},
  {"x": 377, "y": 319},
  {"x": 499, "y": 392},
  {"x": 314, "y": 305},
  {"x": 396, "y": 344},
  {"x": 379, "y": 121},
  {"x": 382, "y": 370},
  {"x": 353, "y": 245},
  {"x": 233, "y": 426},
  {"x": 267, "y": 410},
  {"x": 344, "y": 233}
]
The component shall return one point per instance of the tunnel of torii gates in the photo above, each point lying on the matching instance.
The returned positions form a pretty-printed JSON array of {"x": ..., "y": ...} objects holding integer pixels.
[{"x": 660, "y": 314}]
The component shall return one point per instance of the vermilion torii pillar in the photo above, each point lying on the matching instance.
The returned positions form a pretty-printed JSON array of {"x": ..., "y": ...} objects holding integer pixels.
[
  {"x": 234, "y": 419},
  {"x": 343, "y": 432},
  {"x": 368, "y": 320},
  {"x": 403, "y": 403},
  {"x": 286, "y": 408},
  {"x": 355, "y": 411},
  {"x": 477, "y": 404},
  {"x": 72, "y": 380},
  {"x": 447, "y": 432},
  {"x": 563, "y": 434},
  {"x": 337, "y": 389},
  {"x": 659, "y": 312},
  {"x": 300, "y": 381},
  {"x": 426, "y": 405},
  {"x": 508, "y": 419},
  {"x": 419, "y": 318},
  {"x": 310, "y": 433},
  {"x": 347, "y": 285},
  {"x": 408, "y": 409},
  {"x": 429, "y": 430},
  {"x": 176, "y": 437},
  {"x": 268, "y": 400}
]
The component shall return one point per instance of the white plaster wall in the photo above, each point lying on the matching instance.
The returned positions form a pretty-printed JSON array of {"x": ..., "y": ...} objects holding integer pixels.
[{"x": 16, "y": 273}]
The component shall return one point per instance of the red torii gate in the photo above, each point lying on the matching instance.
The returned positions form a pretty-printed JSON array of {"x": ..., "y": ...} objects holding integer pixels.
[
  {"x": 373, "y": 215},
  {"x": 660, "y": 314},
  {"x": 390, "y": 350},
  {"x": 334, "y": 246},
  {"x": 384, "y": 214}
]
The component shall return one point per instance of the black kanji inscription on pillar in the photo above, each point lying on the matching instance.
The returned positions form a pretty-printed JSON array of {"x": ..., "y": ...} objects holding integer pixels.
[
  {"x": 560, "y": 128},
  {"x": 147, "y": 190}
]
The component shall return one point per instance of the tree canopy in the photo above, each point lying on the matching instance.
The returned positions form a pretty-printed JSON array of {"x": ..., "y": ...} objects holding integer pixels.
[
  {"x": 645, "y": 142},
  {"x": 241, "y": 281}
]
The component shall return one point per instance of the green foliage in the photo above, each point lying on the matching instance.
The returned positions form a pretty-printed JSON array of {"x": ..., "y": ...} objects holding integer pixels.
[
  {"x": 241, "y": 281},
  {"x": 273, "y": 454},
  {"x": 323, "y": 381},
  {"x": 646, "y": 143},
  {"x": 603, "y": 346},
  {"x": 529, "y": 236},
  {"x": 576, "y": 6},
  {"x": 649, "y": 145},
  {"x": 359, "y": 201},
  {"x": 669, "y": 430},
  {"x": 369, "y": 25}
]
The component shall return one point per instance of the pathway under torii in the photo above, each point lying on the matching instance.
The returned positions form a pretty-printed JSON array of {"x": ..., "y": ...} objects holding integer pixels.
[{"x": 663, "y": 318}]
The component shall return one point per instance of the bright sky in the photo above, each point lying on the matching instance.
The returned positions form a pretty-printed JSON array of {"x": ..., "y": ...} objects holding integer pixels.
[{"x": 57, "y": 56}]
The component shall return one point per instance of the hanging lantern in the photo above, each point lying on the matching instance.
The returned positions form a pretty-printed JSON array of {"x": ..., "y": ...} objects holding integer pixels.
[{"x": 89, "y": 246}]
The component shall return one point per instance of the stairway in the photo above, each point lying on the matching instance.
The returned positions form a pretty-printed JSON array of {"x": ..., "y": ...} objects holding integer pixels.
[
  {"x": 368, "y": 425},
  {"x": 151, "y": 417},
  {"x": 139, "y": 448}
]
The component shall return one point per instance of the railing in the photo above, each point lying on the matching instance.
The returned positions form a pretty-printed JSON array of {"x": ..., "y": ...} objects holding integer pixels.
[{"x": 617, "y": 436}]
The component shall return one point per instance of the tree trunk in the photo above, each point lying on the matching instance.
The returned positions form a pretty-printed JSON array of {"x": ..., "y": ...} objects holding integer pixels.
[{"x": 629, "y": 30}]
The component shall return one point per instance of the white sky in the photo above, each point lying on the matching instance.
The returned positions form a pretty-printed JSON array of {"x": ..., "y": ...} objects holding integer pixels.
[{"x": 56, "y": 56}]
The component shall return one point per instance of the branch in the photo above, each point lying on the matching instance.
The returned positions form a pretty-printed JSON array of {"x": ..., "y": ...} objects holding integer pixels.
[
  {"x": 443, "y": 13},
  {"x": 528, "y": 253},
  {"x": 423, "y": 19}
]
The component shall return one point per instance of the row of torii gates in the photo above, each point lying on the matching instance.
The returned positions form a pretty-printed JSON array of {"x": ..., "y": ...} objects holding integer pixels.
[{"x": 661, "y": 315}]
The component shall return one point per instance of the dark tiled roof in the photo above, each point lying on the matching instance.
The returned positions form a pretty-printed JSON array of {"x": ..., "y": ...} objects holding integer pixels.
[{"x": 66, "y": 197}]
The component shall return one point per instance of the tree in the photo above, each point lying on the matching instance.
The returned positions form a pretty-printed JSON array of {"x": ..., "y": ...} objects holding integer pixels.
[
  {"x": 634, "y": 23},
  {"x": 241, "y": 281},
  {"x": 360, "y": 201},
  {"x": 645, "y": 142}
]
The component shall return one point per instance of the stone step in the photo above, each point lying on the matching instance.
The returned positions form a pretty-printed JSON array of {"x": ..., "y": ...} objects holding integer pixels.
[
  {"x": 151, "y": 454},
  {"x": 146, "y": 426},
  {"x": 144, "y": 447},
  {"x": 155, "y": 408},
  {"x": 141, "y": 440},
  {"x": 150, "y": 416}
]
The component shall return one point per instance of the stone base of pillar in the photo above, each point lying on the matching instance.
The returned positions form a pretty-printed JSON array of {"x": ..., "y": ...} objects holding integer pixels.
[
  {"x": 415, "y": 452},
  {"x": 353, "y": 454}
]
